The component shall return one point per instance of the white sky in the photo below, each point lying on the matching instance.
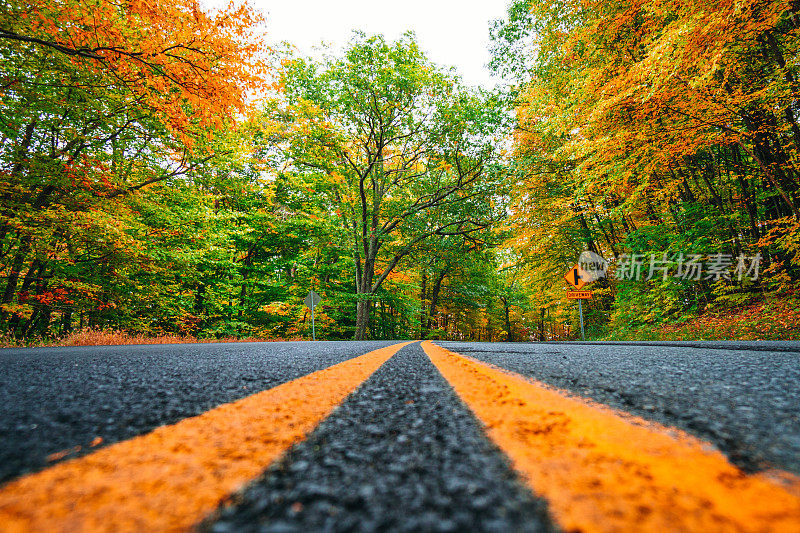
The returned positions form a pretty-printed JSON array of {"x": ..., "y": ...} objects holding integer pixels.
[{"x": 451, "y": 32}]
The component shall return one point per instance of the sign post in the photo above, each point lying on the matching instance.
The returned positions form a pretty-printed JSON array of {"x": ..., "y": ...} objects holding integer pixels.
[
  {"x": 575, "y": 279},
  {"x": 312, "y": 300}
]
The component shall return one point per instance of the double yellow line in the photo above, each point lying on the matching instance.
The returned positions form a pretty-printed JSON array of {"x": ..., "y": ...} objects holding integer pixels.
[{"x": 598, "y": 469}]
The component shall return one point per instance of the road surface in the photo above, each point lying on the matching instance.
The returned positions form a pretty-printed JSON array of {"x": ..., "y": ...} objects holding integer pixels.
[{"x": 369, "y": 436}]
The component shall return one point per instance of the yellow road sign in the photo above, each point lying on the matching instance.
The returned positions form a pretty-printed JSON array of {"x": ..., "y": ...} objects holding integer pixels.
[
  {"x": 573, "y": 277},
  {"x": 579, "y": 295}
]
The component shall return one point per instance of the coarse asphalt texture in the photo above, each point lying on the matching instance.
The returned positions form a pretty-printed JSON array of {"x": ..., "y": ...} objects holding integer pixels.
[
  {"x": 744, "y": 397},
  {"x": 401, "y": 454},
  {"x": 55, "y": 399}
]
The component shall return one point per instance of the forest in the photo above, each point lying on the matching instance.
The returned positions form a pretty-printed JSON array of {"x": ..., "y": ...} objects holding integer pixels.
[{"x": 166, "y": 170}]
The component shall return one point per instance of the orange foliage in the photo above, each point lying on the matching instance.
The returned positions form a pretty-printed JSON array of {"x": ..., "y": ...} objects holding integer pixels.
[
  {"x": 777, "y": 319},
  {"x": 646, "y": 83},
  {"x": 181, "y": 63}
]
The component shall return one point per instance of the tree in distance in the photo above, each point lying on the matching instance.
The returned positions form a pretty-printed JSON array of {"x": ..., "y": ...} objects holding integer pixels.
[{"x": 400, "y": 152}]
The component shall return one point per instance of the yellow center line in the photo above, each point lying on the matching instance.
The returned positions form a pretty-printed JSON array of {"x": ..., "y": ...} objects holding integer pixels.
[
  {"x": 602, "y": 470},
  {"x": 171, "y": 478}
]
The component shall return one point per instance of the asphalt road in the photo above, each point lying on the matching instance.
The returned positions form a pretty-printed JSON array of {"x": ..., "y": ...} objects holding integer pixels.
[
  {"x": 402, "y": 452},
  {"x": 56, "y": 399}
]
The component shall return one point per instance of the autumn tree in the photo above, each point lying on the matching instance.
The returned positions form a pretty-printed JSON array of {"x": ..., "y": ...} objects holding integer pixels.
[
  {"x": 401, "y": 151},
  {"x": 655, "y": 126},
  {"x": 101, "y": 101}
]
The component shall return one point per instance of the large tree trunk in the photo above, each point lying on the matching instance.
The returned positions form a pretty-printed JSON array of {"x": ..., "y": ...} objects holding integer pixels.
[
  {"x": 437, "y": 287},
  {"x": 16, "y": 269},
  {"x": 66, "y": 322},
  {"x": 364, "y": 290},
  {"x": 34, "y": 275},
  {"x": 507, "y": 312},
  {"x": 362, "y": 318},
  {"x": 13, "y": 280},
  {"x": 422, "y": 293},
  {"x": 22, "y": 253},
  {"x": 199, "y": 298},
  {"x": 542, "y": 335}
]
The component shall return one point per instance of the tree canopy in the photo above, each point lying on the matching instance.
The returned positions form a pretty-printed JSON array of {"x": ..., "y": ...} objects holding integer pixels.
[
  {"x": 143, "y": 187},
  {"x": 400, "y": 152},
  {"x": 663, "y": 127},
  {"x": 163, "y": 170}
]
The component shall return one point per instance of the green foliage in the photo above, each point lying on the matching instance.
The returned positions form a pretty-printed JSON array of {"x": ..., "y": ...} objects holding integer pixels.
[
  {"x": 139, "y": 202},
  {"x": 398, "y": 150}
]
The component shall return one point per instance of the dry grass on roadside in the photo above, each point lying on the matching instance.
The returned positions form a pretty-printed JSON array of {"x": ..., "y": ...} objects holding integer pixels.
[{"x": 107, "y": 337}]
